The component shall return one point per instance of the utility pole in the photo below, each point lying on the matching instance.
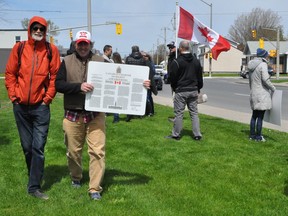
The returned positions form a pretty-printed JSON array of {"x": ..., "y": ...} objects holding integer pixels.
[
  {"x": 164, "y": 55},
  {"x": 278, "y": 54},
  {"x": 89, "y": 22},
  {"x": 157, "y": 51},
  {"x": 210, "y": 59}
]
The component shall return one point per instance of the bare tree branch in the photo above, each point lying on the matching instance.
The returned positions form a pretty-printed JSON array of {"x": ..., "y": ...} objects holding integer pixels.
[{"x": 258, "y": 19}]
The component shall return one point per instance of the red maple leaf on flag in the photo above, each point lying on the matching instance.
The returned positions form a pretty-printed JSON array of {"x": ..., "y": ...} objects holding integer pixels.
[{"x": 205, "y": 32}]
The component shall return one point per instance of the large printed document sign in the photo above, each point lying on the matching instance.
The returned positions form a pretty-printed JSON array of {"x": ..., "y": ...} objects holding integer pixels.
[{"x": 118, "y": 88}]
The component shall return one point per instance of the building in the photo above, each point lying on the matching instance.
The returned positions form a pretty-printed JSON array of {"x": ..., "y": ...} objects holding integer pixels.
[
  {"x": 251, "y": 47},
  {"x": 8, "y": 38},
  {"x": 227, "y": 62}
]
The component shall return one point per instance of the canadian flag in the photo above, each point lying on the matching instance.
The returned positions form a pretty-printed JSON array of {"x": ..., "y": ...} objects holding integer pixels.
[{"x": 192, "y": 29}]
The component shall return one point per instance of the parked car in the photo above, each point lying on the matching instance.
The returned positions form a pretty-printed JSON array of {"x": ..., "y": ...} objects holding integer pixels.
[
  {"x": 158, "y": 81},
  {"x": 245, "y": 74},
  {"x": 159, "y": 69}
]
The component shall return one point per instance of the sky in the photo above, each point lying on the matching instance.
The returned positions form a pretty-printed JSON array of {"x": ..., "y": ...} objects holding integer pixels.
[{"x": 146, "y": 23}]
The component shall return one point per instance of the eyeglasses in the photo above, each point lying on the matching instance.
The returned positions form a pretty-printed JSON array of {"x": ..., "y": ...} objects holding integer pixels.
[{"x": 35, "y": 28}]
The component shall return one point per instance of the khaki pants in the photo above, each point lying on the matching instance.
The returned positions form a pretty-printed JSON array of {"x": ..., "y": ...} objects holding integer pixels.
[{"x": 75, "y": 134}]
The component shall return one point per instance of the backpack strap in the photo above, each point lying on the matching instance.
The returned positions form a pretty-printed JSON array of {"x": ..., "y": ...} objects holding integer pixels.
[
  {"x": 20, "y": 51},
  {"x": 21, "y": 48},
  {"x": 48, "y": 50},
  {"x": 176, "y": 62}
]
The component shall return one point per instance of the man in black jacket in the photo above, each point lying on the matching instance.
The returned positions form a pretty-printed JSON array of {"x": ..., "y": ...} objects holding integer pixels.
[
  {"x": 186, "y": 76},
  {"x": 172, "y": 55}
]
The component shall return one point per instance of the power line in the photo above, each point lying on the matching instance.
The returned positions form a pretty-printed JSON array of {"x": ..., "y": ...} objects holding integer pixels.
[{"x": 40, "y": 11}]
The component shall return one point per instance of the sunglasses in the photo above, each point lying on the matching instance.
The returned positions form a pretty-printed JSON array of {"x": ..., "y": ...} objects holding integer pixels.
[{"x": 35, "y": 28}]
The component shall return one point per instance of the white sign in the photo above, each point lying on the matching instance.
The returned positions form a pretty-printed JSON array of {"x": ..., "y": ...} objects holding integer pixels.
[
  {"x": 273, "y": 116},
  {"x": 118, "y": 88}
]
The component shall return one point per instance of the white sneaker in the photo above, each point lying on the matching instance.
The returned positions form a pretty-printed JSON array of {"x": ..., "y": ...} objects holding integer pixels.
[{"x": 261, "y": 139}]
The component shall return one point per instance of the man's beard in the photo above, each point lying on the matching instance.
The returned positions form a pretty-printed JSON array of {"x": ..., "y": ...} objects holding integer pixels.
[{"x": 37, "y": 37}]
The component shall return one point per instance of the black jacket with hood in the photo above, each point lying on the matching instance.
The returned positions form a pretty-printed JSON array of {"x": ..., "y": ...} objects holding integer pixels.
[{"x": 186, "y": 73}]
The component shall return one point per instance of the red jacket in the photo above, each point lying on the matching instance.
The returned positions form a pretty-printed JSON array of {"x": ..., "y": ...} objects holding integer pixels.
[{"x": 34, "y": 82}]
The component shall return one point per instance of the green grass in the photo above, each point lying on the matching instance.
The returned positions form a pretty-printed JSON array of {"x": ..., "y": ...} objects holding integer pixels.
[
  {"x": 217, "y": 74},
  {"x": 223, "y": 174}
]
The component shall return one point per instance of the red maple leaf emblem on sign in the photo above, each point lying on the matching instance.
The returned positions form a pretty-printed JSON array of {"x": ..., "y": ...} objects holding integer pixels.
[{"x": 205, "y": 32}]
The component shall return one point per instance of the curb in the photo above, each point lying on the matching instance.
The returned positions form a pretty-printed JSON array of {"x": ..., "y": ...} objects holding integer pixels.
[{"x": 223, "y": 113}]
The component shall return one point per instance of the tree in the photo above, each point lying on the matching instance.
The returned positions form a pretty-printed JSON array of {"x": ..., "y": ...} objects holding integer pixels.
[
  {"x": 160, "y": 54},
  {"x": 258, "y": 20}
]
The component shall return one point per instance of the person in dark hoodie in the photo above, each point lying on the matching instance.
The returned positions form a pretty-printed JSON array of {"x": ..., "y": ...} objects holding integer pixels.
[
  {"x": 186, "y": 76},
  {"x": 261, "y": 90},
  {"x": 136, "y": 58}
]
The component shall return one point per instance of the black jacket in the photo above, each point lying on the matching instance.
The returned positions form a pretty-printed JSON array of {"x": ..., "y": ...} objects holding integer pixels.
[
  {"x": 186, "y": 73},
  {"x": 136, "y": 58}
]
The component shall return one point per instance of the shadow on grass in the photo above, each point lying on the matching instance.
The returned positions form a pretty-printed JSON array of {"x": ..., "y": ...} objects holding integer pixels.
[
  {"x": 54, "y": 174},
  {"x": 285, "y": 192},
  {"x": 117, "y": 177},
  {"x": 4, "y": 140}
]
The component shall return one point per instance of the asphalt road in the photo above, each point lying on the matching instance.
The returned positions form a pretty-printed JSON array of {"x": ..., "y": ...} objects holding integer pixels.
[
  {"x": 231, "y": 94},
  {"x": 228, "y": 98}
]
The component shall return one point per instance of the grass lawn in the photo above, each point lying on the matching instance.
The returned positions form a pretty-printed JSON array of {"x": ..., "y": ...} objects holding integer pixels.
[{"x": 223, "y": 174}]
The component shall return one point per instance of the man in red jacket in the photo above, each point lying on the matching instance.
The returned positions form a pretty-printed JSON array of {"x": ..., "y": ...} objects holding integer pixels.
[{"x": 29, "y": 78}]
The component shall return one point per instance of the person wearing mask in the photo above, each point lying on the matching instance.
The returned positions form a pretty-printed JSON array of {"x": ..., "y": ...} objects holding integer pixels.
[
  {"x": 78, "y": 124},
  {"x": 172, "y": 55},
  {"x": 29, "y": 78},
  {"x": 261, "y": 90},
  {"x": 186, "y": 81}
]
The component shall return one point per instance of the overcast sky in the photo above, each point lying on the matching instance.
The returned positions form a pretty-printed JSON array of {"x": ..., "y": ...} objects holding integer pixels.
[{"x": 144, "y": 21}]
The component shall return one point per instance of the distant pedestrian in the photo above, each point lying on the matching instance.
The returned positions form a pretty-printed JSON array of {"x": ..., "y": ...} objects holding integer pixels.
[
  {"x": 150, "y": 103},
  {"x": 172, "y": 55},
  {"x": 186, "y": 81},
  {"x": 116, "y": 58},
  {"x": 107, "y": 55},
  {"x": 30, "y": 76},
  {"x": 136, "y": 58},
  {"x": 261, "y": 90}
]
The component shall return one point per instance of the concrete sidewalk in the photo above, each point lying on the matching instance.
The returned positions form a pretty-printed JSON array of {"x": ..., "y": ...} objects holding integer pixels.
[{"x": 223, "y": 113}]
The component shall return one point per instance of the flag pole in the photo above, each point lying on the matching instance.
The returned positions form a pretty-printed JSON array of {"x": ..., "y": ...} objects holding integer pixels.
[{"x": 176, "y": 27}]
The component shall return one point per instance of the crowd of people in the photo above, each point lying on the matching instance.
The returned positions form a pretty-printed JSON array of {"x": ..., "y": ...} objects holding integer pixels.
[{"x": 41, "y": 64}]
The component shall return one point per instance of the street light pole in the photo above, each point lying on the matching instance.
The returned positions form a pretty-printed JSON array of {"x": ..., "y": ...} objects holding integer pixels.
[
  {"x": 278, "y": 54},
  {"x": 210, "y": 59},
  {"x": 89, "y": 16}
]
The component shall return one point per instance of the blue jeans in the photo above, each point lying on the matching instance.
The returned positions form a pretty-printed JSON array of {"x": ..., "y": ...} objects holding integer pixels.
[
  {"x": 33, "y": 124},
  {"x": 256, "y": 122}
]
